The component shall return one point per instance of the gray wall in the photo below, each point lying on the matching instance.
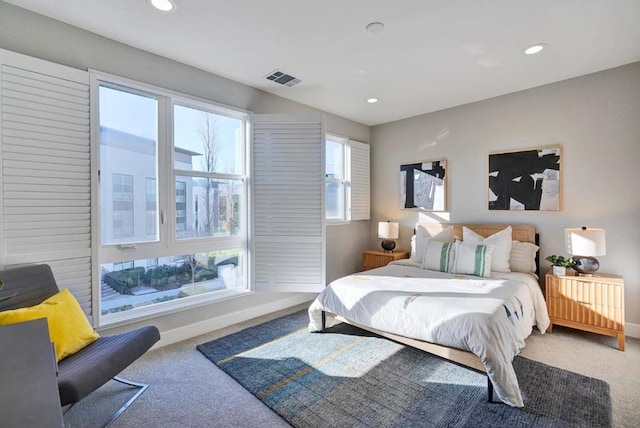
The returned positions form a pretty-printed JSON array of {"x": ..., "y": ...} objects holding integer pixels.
[
  {"x": 35, "y": 35},
  {"x": 596, "y": 120}
]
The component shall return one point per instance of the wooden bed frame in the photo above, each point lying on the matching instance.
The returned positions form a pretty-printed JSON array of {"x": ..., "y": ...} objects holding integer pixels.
[{"x": 522, "y": 233}]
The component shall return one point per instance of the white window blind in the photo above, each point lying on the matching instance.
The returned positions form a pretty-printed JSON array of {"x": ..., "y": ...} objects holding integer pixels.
[
  {"x": 360, "y": 190},
  {"x": 45, "y": 168},
  {"x": 288, "y": 203}
]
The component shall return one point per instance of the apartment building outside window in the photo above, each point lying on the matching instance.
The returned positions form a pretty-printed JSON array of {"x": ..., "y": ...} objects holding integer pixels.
[
  {"x": 152, "y": 206},
  {"x": 122, "y": 205},
  {"x": 181, "y": 206}
]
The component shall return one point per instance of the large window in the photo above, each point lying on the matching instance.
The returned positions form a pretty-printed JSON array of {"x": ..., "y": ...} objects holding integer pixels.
[{"x": 172, "y": 205}]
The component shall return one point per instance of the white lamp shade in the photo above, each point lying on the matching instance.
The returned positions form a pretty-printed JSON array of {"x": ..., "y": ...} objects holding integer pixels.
[
  {"x": 388, "y": 229},
  {"x": 585, "y": 241}
]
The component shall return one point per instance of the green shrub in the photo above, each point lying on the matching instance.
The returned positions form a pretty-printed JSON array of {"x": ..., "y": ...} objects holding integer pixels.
[{"x": 124, "y": 281}]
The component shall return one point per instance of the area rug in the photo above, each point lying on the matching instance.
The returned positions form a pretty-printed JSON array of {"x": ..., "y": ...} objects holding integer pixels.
[{"x": 347, "y": 377}]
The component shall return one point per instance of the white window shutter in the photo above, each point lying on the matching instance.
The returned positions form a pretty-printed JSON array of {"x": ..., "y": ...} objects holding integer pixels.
[
  {"x": 360, "y": 190},
  {"x": 45, "y": 169},
  {"x": 288, "y": 203}
]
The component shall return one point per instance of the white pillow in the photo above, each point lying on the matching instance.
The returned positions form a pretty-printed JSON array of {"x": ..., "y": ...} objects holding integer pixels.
[
  {"x": 438, "y": 256},
  {"x": 523, "y": 257},
  {"x": 502, "y": 242},
  {"x": 472, "y": 259},
  {"x": 420, "y": 239}
]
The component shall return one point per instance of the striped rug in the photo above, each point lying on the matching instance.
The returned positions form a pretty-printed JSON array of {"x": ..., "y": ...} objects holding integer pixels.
[{"x": 347, "y": 377}]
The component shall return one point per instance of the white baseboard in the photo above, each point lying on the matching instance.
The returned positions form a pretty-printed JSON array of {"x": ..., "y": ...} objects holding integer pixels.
[
  {"x": 632, "y": 330},
  {"x": 206, "y": 326}
]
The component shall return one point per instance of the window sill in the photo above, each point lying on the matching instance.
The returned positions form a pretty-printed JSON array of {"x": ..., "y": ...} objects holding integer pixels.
[
  {"x": 337, "y": 222},
  {"x": 161, "y": 309}
]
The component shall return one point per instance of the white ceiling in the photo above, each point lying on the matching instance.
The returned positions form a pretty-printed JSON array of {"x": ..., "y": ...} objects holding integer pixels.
[{"x": 431, "y": 55}]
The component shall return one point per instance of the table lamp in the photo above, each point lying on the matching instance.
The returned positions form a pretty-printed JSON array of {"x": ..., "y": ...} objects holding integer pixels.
[
  {"x": 388, "y": 231},
  {"x": 585, "y": 243}
]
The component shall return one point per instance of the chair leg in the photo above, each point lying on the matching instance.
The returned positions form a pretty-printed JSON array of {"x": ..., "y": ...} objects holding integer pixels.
[{"x": 142, "y": 388}]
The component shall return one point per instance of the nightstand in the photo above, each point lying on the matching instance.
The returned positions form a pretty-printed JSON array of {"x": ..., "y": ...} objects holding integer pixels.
[
  {"x": 591, "y": 303},
  {"x": 372, "y": 259}
]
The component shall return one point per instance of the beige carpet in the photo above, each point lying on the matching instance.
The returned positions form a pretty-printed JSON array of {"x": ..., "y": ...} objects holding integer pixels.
[
  {"x": 188, "y": 391},
  {"x": 595, "y": 356}
]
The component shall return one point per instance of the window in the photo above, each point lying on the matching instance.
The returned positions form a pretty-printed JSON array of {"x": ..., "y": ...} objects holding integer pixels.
[
  {"x": 336, "y": 178},
  {"x": 346, "y": 180},
  {"x": 185, "y": 241},
  {"x": 209, "y": 167}
]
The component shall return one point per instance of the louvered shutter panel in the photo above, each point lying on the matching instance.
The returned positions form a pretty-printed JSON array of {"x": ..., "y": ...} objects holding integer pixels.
[
  {"x": 46, "y": 170},
  {"x": 360, "y": 193},
  {"x": 288, "y": 203}
]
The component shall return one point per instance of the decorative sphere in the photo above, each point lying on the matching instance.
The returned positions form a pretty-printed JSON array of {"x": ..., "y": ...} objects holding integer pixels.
[
  {"x": 586, "y": 265},
  {"x": 388, "y": 245}
]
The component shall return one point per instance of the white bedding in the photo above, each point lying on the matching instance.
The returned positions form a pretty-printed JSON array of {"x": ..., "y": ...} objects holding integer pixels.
[{"x": 490, "y": 317}]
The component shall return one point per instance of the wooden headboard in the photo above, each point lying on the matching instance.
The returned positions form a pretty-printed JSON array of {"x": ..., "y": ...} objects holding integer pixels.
[{"x": 521, "y": 232}]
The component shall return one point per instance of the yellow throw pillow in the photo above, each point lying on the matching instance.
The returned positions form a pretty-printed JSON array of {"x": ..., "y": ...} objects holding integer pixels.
[{"x": 69, "y": 328}]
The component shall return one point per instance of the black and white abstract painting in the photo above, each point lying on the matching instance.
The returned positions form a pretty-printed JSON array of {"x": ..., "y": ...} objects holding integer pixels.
[
  {"x": 423, "y": 185},
  {"x": 525, "y": 180}
]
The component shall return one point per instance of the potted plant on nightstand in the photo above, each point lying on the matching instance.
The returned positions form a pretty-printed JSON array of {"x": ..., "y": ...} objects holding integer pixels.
[{"x": 560, "y": 264}]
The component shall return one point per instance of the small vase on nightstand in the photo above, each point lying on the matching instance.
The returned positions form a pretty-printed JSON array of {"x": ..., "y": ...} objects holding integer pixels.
[{"x": 559, "y": 270}]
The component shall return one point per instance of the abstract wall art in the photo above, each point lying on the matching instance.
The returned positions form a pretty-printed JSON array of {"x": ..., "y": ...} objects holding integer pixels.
[
  {"x": 423, "y": 185},
  {"x": 525, "y": 180}
]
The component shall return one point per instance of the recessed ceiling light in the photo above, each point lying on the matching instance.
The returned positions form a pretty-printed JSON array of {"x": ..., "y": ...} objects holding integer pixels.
[
  {"x": 538, "y": 47},
  {"x": 375, "y": 27},
  {"x": 163, "y": 5},
  {"x": 372, "y": 100}
]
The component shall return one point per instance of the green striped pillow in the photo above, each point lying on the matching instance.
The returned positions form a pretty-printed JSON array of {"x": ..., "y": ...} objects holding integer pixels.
[
  {"x": 438, "y": 256},
  {"x": 472, "y": 259}
]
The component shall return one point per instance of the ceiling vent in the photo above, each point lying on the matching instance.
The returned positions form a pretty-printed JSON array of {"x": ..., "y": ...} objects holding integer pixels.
[{"x": 283, "y": 78}]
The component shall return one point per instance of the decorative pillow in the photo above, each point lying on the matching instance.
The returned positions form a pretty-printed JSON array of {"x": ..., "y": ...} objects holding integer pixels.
[
  {"x": 420, "y": 239},
  {"x": 438, "y": 256},
  {"x": 502, "y": 242},
  {"x": 523, "y": 257},
  {"x": 472, "y": 259},
  {"x": 69, "y": 328}
]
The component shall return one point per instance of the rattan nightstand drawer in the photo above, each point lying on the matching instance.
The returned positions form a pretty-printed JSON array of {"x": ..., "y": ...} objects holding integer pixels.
[{"x": 376, "y": 258}]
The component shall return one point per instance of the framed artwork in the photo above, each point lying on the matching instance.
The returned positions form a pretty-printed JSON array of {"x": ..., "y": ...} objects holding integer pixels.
[
  {"x": 525, "y": 180},
  {"x": 423, "y": 185}
]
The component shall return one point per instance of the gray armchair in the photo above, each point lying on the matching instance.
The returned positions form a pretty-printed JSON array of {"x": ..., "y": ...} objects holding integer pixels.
[{"x": 85, "y": 371}]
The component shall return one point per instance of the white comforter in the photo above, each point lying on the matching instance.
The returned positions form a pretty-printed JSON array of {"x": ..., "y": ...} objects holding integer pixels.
[{"x": 490, "y": 317}]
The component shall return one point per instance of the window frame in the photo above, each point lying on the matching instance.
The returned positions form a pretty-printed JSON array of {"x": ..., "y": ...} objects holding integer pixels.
[{"x": 167, "y": 243}]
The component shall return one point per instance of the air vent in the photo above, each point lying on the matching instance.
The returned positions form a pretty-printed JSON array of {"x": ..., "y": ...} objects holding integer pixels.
[{"x": 283, "y": 78}]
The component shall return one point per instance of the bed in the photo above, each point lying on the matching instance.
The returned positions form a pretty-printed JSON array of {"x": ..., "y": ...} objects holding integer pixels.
[{"x": 450, "y": 299}]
